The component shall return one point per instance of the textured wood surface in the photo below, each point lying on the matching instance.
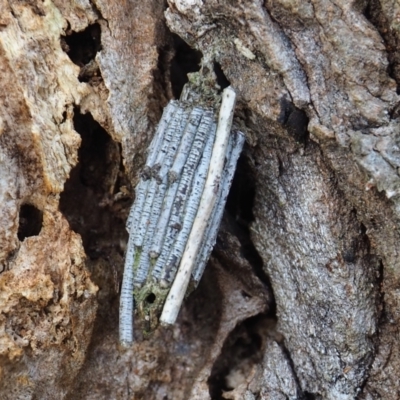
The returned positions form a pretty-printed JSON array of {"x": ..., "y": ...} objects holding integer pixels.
[{"x": 301, "y": 295}]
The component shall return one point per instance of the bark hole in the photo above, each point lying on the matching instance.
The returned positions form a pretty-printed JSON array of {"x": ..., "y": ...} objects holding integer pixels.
[
  {"x": 295, "y": 121},
  {"x": 162, "y": 79},
  {"x": 240, "y": 206},
  {"x": 222, "y": 80},
  {"x": 30, "y": 221},
  {"x": 82, "y": 48},
  {"x": 90, "y": 201},
  {"x": 151, "y": 298},
  {"x": 309, "y": 396},
  {"x": 186, "y": 60},
  {"x": 243, "y": 348}
]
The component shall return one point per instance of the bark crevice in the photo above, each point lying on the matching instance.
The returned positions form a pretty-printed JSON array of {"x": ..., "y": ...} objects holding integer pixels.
[{"x": 91, "y": 200}]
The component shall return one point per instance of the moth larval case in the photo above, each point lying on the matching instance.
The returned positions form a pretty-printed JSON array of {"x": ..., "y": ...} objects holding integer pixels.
[
  {"x": 169, "y": 146},
  {"x": 166, "y": 124},
  {"x": 157, "y": 240},
  {"x": 136, "y": 215},
  {"x": 179, "y": 286},
  {"x": 178, "y": 208},
  {"x": 134, "y": 270}
]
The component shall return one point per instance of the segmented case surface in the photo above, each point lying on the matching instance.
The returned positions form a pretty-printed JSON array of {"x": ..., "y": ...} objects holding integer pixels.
[{"x": 167, "y": 202}]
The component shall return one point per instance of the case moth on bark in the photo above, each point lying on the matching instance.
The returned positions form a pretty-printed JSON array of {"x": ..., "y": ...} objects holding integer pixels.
[{"x": 180, "y": 198}]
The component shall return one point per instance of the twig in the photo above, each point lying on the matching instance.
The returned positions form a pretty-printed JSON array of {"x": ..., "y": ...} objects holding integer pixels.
[{"x": 236, "y": 144}]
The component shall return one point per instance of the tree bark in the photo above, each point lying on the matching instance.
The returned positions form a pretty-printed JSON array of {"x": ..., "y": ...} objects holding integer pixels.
[{"x": 300, "y": 298}]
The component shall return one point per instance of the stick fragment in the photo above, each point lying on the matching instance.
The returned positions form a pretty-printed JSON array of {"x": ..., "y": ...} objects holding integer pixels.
[
  {"x": 210, "y": 236},
  {"x": 178, "y": 289},
  {"x": 143, "y": 268},
  {"x": 126, "y": 301},
  {"x": 140, "y": 230},
  {"x": 186, "y": 144},
  {"x": 175, "y": 143},
  {"x": 174, "y": 127},
  {"x": 159, "y": 233},
  {"x": 190, "y": 212},
  {"x": 158, "y": 138},
  {"x": 137, "y": 206}
]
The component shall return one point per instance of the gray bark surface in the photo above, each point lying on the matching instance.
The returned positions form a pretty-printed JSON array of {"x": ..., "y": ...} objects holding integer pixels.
[{"x": 300, "y": 298}]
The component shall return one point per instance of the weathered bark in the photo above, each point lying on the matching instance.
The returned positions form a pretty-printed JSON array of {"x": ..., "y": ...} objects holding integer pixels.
[{"x": 301, "y": 296}]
